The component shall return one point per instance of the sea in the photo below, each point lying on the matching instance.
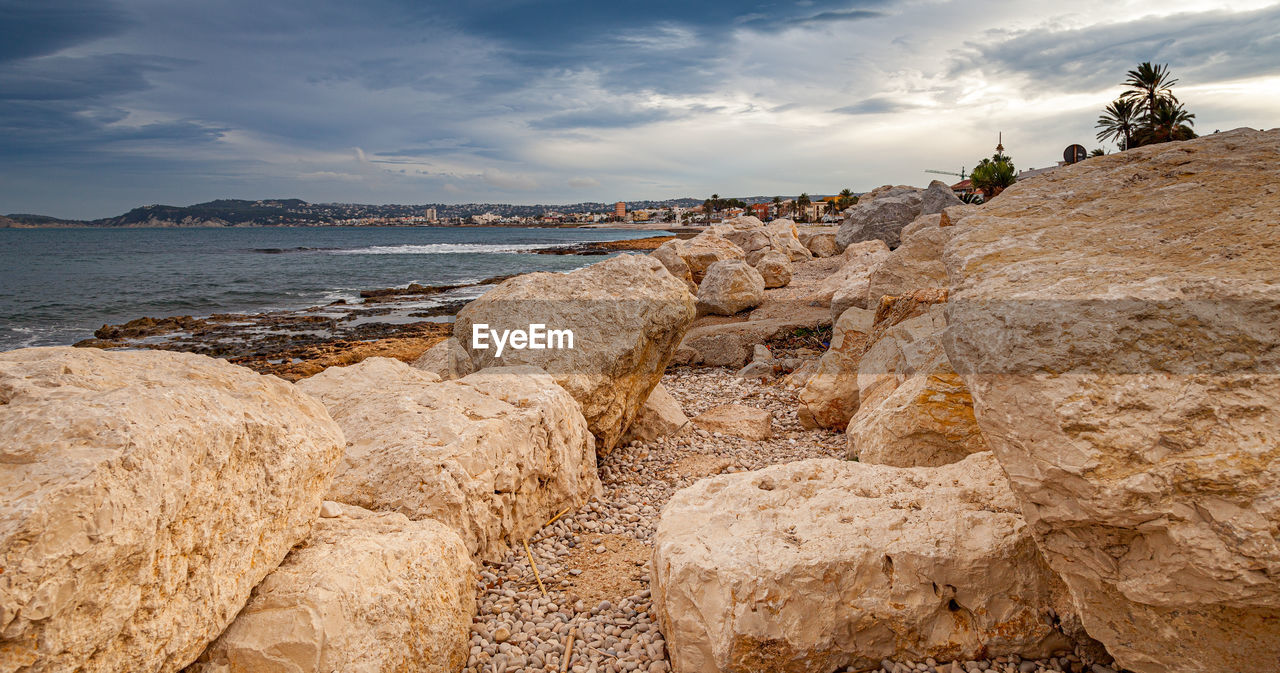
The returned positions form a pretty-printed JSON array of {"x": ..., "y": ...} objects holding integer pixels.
[{"x": 58, "y": 285}]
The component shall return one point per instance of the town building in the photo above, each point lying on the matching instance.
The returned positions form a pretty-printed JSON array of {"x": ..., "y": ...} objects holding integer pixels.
[{"x": 620, "y": 209}]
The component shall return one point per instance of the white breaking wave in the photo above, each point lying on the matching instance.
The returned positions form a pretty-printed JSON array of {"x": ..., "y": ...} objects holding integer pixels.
[{"x": 447, "y": 248}]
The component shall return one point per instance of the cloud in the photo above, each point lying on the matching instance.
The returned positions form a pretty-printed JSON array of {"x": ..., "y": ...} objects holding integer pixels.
[
  {"x": 875, "y": 105},
  {"x": 42, "y": 27},
  {"x": 508, "y": 181},
  {"x": 1199, "y": 45},
  {"x": 603, "y": 117},
  {"x": 583, "y": 183}
]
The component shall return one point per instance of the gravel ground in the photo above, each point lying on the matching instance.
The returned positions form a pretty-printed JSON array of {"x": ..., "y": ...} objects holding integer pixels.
[{"x": 593, "y": 562}]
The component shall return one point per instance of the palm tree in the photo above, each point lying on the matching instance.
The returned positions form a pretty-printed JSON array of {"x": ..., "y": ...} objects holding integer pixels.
[
  {"x": 1148, "y": 84},
  {"x": 802, "y": 202},
  {"x": 991, "y": 177},
  {"x": 1171, "y": 121},
  {"x": 1118, "y": 122},
  {"x": 1098, "y": 152},
  {"x": 845, "y": 199}
]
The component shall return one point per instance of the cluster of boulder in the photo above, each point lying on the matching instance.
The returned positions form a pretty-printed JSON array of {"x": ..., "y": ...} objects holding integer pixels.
[
  {"x": 166, "y": 511},
  {"x": 1061, "y": 411}
]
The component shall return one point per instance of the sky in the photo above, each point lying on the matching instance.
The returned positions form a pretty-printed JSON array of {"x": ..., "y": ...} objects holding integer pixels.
[{"x": 108, "y": 105}]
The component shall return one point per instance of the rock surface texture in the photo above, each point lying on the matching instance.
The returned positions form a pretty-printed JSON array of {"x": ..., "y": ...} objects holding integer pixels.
[
  {"x": 817, "y": 565},
  {"x": 145, "y": 494},
  {"x": 368, "y": 592},
  {"x": 937, "y": 197},
  {"x": 737, "y": 420},
  {"x": 627, "y": 315},
  {"x": 493, "y": 455},
  {"x": 775, "y": 269},
  {"x": 830, "y": 396},
  {"x": 1122, "y": 348},
  {"x": 729, "y": 287}
]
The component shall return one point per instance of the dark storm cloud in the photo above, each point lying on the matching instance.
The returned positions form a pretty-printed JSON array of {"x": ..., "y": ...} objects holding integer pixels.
[
  {"x": 39, "y": 27},
  {"x": 1200, "y": 47}
]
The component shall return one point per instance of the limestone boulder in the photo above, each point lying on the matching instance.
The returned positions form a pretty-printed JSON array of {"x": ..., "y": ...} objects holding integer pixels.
[
  {"x": 368, "y": 592},
  {"x": 914, "y": 411},
  {"x": 820, "y": 243},
  {"x": 705, "y": 249},
  {"x": 492, "y": 455},
  {"x": 785, "y": 238},
  {"x": 829, "y": 397},
  {"x": 669, "y": 254},
  {"x": 627, "y": 317},
  {"x": 855, "y": 272},
  {"x": 447, "y": 360},
  {"x": 660, "y": 416},
  {"x": 732, "y": 344},
  {"x": 881, "y": 218},
  {"x": 775, "y": 269},
  {"x": 818, "y": 565},
  {"x": 937, "y": 197},
  {"x": 1117, "y": 322},
  {"x": 145, "y": 495},
  {"x": 737, "y": 420},
  {"x": 729, "y": 287},
  {"x": 914, "y": 265}
]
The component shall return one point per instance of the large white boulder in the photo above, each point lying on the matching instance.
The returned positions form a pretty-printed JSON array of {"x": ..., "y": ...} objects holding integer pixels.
[
  {"x": 817, "y": 565},
  {"x": 493, "y": 454},
  {"x": 732, "y": 344},
  {"x": 145, "y": 495},
  {"x": 705, "y": 249},
  {"x": 669, "y": 254},
  {"x": 729, "y": 287},
  {"x": 626, "y": 314},
  {"x": 785, "y": 238},
  {"x": 1118, "y": 321},
  {"x": 368, "y": 592}
]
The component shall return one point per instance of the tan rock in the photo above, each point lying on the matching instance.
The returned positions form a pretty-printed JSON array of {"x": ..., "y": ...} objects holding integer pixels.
[
  {"x": 830, "y": 394},
  {"x": 737, "y": 420},
  {"x": 853, "y": 277},
  {"x": 627, "y": 317},
  {"x": 705, "y": 249},
  {"x": 731, "y": 344},
  {"x": 785, "y": 238},
  {"x": 914, "y": 265},
  {"x": 775, "y": 269},
  {"x": 956, "y": 214},
  {"x": 367, "y": 592},
  {"x": 447, "y": 360},
  {"x": 820, "y": 243},
  {"x": 660, "y": 416},
  {"x": 493, "y": 455},
  {"x": 145, "y": 494},
  {"x": 919, "y": 223},
  {"x": 917, "y": 412},
  {"x": 1117, "y": 322},
  {"x": 669, "y": 254},
  {"x": 818, "y": 565},
  {"x": 729, "y": 287}
]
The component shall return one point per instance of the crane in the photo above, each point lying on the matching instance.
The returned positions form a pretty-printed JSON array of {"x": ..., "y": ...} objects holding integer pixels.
[{"x": 961, "y": 173}]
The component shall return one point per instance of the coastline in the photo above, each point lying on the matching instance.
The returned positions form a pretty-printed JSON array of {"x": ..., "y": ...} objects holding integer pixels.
[{"x": 396, "y": 322}]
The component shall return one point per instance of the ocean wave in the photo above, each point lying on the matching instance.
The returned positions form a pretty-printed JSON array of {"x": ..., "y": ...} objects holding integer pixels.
[
  {"x": 447, "y": 248},
  {"x": 281, "y": 251}
]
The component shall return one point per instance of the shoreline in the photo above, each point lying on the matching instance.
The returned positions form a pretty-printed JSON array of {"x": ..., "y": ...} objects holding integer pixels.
[{"x": 397, "y": 322}]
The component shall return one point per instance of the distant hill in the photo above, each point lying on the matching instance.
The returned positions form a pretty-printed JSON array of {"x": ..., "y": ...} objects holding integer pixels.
[{"x": 27, "y": 220}]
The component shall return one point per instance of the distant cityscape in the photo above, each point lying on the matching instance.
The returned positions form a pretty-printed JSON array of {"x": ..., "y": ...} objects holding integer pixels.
[{"x": 296, "y": 212}]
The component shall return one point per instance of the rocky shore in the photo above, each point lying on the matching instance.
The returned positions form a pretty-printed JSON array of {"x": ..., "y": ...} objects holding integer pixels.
[{"x": 1033, "y": 435}]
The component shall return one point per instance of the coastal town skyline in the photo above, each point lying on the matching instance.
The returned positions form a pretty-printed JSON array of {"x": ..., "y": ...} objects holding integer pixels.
[{"x": 109, "y": 105}]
